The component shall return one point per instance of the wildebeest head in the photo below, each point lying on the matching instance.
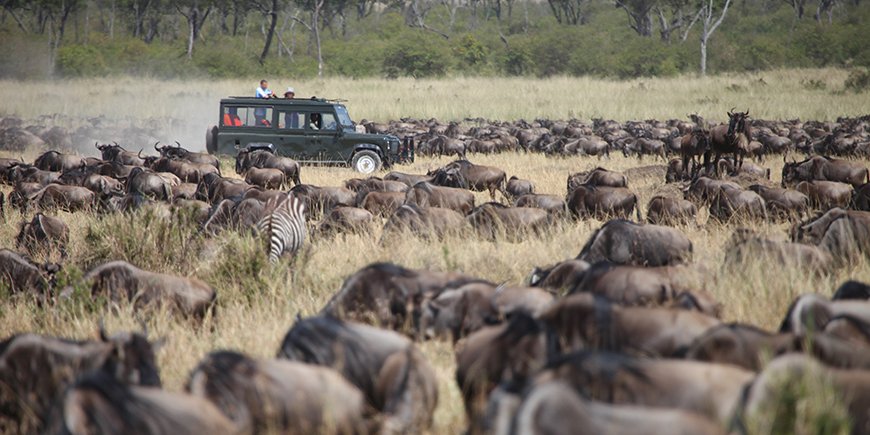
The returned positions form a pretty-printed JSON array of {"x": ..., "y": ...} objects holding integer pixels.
[
  {"x": 171, "y": 152},
  {"x": 109, "y": 151},
  {"x": 132, "y": 357},
  {"x": 737, "y": 123}
]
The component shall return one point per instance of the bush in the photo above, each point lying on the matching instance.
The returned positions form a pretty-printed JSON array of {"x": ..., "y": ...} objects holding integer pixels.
[
  {"x": 858, "y": 81},
  {"x": 80, "y": 60},
  {"x": 470, "y": 53},
  {"x": 517, "y": 61},
  {"x": 416, "y": 57}
]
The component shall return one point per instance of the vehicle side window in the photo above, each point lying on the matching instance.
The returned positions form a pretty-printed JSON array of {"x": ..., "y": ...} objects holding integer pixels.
[
  {"x": 322, "y": 121},
  {"x": 290, "y": 120},
  {"x": 262, "y": 117},
  {"x": 231, "y": 117},
  {"x": 247, "y": 117}
]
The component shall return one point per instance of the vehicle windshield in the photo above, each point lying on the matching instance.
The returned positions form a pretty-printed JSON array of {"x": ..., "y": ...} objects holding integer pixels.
[{"x": 343, "y": 117}]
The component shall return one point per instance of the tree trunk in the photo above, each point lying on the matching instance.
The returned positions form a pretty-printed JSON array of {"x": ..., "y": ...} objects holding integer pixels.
[
  {"x": 703, "y": 56},
  {"x": 191, "y": 34},
  {"x": 273, "y": 16},
  {"x": 315, "y": 21}
]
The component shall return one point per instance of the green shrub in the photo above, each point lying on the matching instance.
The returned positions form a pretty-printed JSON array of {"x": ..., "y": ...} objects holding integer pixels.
[
  {"x": 80, "y": 60},
  {"x": 470, "y": 53},
  {"x": 416, "y": 57},
  {"x": 857, "y": 81},
  {"x": 517, "y": 61}
]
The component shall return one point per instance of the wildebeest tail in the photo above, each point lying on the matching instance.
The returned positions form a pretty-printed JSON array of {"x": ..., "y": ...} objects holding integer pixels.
[{"x": 285, "y": 227}]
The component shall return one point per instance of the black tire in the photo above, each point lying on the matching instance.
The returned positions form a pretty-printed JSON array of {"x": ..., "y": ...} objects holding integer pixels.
[
  {"x": 366, "y": 162},
  {"x": 211, "y": 140}
]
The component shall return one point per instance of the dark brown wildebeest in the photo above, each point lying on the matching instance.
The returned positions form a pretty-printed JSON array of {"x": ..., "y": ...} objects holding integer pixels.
[
  {"x": 746, "y": 248},
  {"x": 550, "y": 407},
  {"x": 693, "y": 145},
  {"x": 675, "y": 171},
  {"x": 36, "y": 369},
  {"x": 22, "y": 173},
  {"x": 247, "y": 159},
  {"x": 709, "y": 389},
  {"x": 623, "y": 242},
  {"x": 20, "y": 274},
  {"x": 733, "y": 138},
  {"x": 267, "y": 178},
  {"x": 98, "y": 403},
  {"x": 114, "y": 169},
  {"x": 185, "y": 191},
  {"x": 179, "y": 153},
  {"x": 381, "y": 203},
  {"x": 663, "y": 210},
  {"x": 103, "y": 185},
  {"x": 825, "y": 195},
  {"x": 213, "y": 188},
  {"x": 117, "y": 153},
  {"x": 861, "y": 198},
  {"x": 767, "y": 392},
  {"x": 57, "y": 162},
  {"x": 703, "y": 189},
  {"x": 552, "y": 203},
  {"x": 596, "y": 177},
  {"x": 601, "y": 202},
  {"x": 560, "y": 276},
  {"x": 493, "y": 221},
  {"x": 852, "y": 289},
  {"x": 70, "y": 198},
  {"x": 442, "y": 145},
  {"x": 747, "y": 170},
  {"x": 642, "y": 145},
  {"x": 43, "y": 234},
  {"x": 389, "y": 370},
  {"x": 824, "y": 168},
  {"x": 389, "y": 295},
  {"x": 456, "y": 313},
  {"x": 346, "y": 219},
  {"x": 811, "y": 312},
  {"x": 319, "y": 199},
  {"x": 429, "y": 195},
  {"x": 239, "y": 214},
  {"x": 409, "y": 179},
  {"x": 121, "y": 281},
  {"x": 149, "y": 184},
  {"x": 782, "y": 203},
  {"x": 586, "y": 321},
  {"x": 374, "y": 184},
  {"x": 844, "y": 234},
  {"x": 728, "y": 203},
  {"x": 517, "y": 187},
  {"x": 466, "y": 175},
  {"x": 186, "y": 171},
  {"x": 427, "y": 222},
  {"x": 742, "y": 345},
  {"x": 261, "y": 396},
  {"x": 644, "y": 286},
  {"x": 511, "y": 353}
]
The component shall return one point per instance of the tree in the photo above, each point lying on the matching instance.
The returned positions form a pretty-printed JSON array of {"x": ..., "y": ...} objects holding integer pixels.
[
  {"x": 639, "y": 15},
  {"x": 195, "y": 12},
  {"x": 798, "y": 6},
  {"x": 569, "y": 11},
  {"x": 708, "y": 10},
  {"x": 672, "y": 15},
  {"x": 269, "y": 8},
  {"x": 314, "y": 7}
]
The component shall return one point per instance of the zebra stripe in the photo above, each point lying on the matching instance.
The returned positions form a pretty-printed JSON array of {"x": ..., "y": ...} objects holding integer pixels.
[{"x": 285, "y": 227}]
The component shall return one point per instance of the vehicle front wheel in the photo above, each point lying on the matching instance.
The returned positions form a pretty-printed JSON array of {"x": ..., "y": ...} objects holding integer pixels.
[{"x": 366, "y": 162}]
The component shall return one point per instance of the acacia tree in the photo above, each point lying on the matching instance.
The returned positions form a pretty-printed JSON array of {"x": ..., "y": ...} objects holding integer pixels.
[
  {"x": 639, "y": 15},
  {"x": 195, "y": 12},
  {"x": 314, "y": 7},
  {"x": 708, "y": 11},
  {"x": 269, "y": 8}
]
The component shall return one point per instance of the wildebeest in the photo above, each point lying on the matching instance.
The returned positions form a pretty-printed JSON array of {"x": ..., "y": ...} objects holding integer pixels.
[
  {"x": 98, "y": 403},
  {"x": 624, "y": 242},
  {"x": 374, "y": 184},
  {"x": 260, "y": 396},
  {"x": 586, "y": 321},
  {"x": 177, "y": 152},
  {"x": 663, "y": 210},
  {"x": 601, "y": 202},
  {"x": 318, "y": 199},
  {"x": 21, "y": 275},
  {"x": 346, "y": 219},
  {"x": 43, "y": 233},
  {"x": 117, "y": 153},
  {"x": 35, "y": 370},
  {"x": 703, "y": 189},
  {"x": 435, "y": 222},
  {"x": 844, "y": 234},
  {"x": 560, "y": 276},
  {"x": 692, "y": 145},
  {"x": 267, "y": 178},
  {"x": 517, "y": 187},
  {"x": 149, "y": 184},
  {"x": 596, "y": 177},
  {"x": 494, "y": 220},
  {"x": 389, "y": 295},
  {"x": 429, "y": 195},
  {"x": 57, "y": 162},
  {"x": 742, "y": 345},
  {"x": 733, "y": 138},
  {"x": 389, "y": 370},
  {"x": 728, "y": 202},
  {"x": 121, "y": 281},
  {"x": 247, "y": 159},
  {"x": 824, "y": 168},
  {"x": 466, "y": 175},
  {"x": 409, "y": 179},
  {"x": 746, "y": 248},
  {"x": 861, "y": 198},
  {"x": 381, "y": 203},
  {"x": 70, "y": 198},
  {"x": 825, "y": 195},
  {"x": 186, "y": 171},
  {"x": 811, "y": 312},
  {"x": 552, "y": 203},
  {"x": 553, "y": 407},
  {"x": 782, "y": 203}
]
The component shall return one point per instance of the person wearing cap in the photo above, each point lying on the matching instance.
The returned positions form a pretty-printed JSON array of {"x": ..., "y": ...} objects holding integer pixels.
[
  {"x": 291, "y": 119},
  {"x": 290, "y": 93}
]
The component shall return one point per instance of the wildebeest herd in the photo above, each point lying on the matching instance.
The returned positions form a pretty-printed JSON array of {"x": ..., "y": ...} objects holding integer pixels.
[{"x": 622, "y": 338}]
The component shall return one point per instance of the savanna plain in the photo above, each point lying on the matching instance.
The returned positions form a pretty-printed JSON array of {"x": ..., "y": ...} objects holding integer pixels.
[{"x": 257, "y": 302}]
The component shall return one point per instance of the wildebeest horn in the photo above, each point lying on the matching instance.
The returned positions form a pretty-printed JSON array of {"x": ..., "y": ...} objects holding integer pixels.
[
  {"x": 731, "y": 112},
  {"x": 116, "y": 143},
  {"x": 96, "y": 145},
  {"x": 747, "y": 112},
  {"x": 179, "y": 145},
  {"x": 102, "y": 325},
  {"x": 155, "y": 145},
  {"x": 139, "y": 154}
]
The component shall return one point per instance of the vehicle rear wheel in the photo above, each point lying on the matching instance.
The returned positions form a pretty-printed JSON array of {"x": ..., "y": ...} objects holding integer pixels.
[
  {"x": 211, "y": 140},
  {"x": 366, "y": 162}
]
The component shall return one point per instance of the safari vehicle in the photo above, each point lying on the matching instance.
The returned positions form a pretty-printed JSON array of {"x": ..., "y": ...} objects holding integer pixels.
[{"x": 310, "y": 131}]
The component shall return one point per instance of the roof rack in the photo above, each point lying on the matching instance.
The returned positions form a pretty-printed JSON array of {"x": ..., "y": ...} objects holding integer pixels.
[{"x": 312, "y": 98}]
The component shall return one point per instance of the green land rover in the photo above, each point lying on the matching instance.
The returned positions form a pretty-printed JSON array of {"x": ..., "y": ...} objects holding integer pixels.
[{"x": 311, "y": 131}]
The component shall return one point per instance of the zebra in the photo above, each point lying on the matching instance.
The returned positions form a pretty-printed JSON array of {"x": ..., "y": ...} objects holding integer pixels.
[{"x": 284, "y": 226}]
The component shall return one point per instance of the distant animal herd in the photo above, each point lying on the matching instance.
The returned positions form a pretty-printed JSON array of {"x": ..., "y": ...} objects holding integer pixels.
[{"x": 618, "y": 339}]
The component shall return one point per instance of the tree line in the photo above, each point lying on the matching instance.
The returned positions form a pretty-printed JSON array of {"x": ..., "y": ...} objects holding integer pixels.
[{"x": 434, "y": 37}]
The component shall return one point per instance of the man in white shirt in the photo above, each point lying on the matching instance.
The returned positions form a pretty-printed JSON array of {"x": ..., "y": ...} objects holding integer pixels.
[{"x": 262, "y": 92}]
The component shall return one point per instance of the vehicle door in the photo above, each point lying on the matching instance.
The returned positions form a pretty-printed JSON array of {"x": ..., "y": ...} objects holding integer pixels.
[
  {"x": 291, "y": 135},
  {"x": 245, "y": 125},
  {"x": 322, "y": 128}
]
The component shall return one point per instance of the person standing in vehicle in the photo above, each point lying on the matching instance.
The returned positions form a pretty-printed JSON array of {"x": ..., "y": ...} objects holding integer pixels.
[
  {"x": 262, "y": 92},
  {"x": 291, "y": 119}
]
